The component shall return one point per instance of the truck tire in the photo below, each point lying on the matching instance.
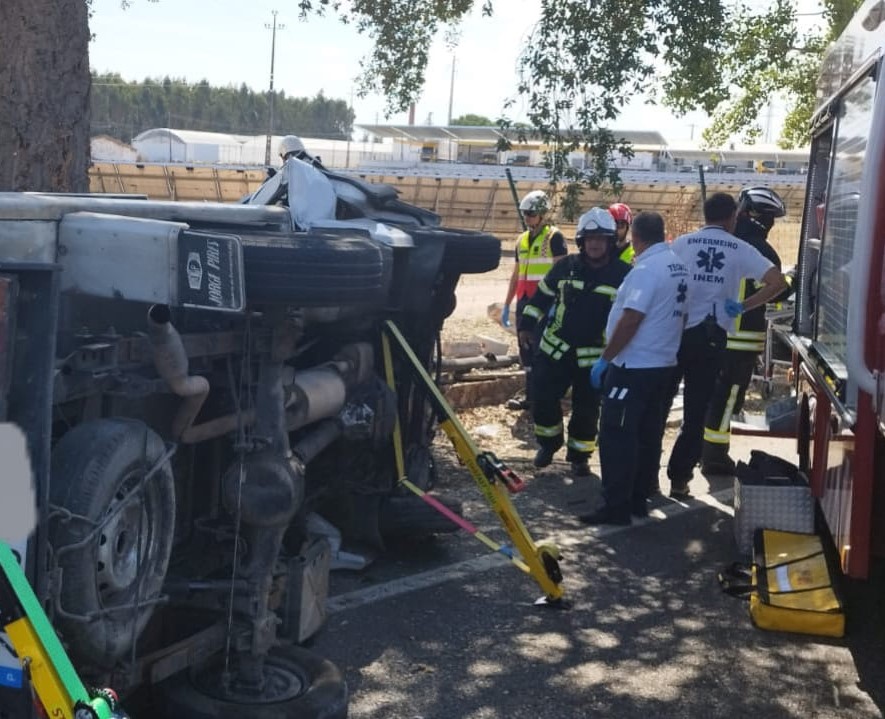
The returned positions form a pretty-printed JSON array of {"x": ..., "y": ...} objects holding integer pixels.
[
  {"x": 408, "y": 515},
  {"x": 303, "y": 686},
  {"x": 317, "y": 270},
  {"x": 467, "y": 251},
  {"x": 100, "y": 498}
]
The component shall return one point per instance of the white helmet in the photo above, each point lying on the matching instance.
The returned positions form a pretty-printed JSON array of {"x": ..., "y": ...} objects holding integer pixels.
[
  {"x": 535, "y": 201},
  {"x": 291, "y": 144}
]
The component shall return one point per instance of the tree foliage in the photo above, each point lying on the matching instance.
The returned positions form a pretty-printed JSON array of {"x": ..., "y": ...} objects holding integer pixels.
[
  {"x": 123, "y": 109},
  {"x": 471, "y": 120},
  {"x": 585, "y": 59}
]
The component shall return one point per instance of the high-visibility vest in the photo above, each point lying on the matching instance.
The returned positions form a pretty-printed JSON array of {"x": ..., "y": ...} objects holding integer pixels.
[
  {"x": 627, "y": 254},
  {"x": 535, "y": 260}
]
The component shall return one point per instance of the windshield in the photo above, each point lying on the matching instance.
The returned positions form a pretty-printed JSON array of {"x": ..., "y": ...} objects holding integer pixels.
[{"x": 840, "y": 223}]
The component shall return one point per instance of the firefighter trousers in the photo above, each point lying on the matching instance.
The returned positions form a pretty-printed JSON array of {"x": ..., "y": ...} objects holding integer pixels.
[
  {"x": 700, "y": 354},
  {"x": 735, "y": 374},
  {"x": 551, "y": 379}
]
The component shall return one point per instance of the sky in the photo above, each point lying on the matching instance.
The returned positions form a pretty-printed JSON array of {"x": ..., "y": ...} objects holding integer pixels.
[{"x": 227, "y": 43}]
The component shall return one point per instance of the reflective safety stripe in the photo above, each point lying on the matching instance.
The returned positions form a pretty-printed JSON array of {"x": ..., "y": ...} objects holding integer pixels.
[
  {"x": 551, "y": 431},
  {"x": 714, "y": 437},
  {"x": 532, "y": 311},
  {"x": 742, "y": 346},
  {"x": 551, "y": 345},
  {"x": 542, "y": 287},
  {"x": 725, "y": 422},
  {"x": 588, "y": 355},
  {"x": 746, "y": 335},
  {"x": 582, "y": 445},
  {"x": 607, "y": 290}
]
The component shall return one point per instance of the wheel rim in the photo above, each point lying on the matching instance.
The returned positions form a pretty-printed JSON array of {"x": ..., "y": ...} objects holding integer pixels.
[
  {"x": 119, "y": 563},
  {"x": 281, "y": 683}
]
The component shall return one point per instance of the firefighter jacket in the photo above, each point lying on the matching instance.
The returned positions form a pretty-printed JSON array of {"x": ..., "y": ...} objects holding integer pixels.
[
  {"x": 576, "y": 299},
  {"x": 535, "y": 257},
  {"x": 750, "y": 328}
]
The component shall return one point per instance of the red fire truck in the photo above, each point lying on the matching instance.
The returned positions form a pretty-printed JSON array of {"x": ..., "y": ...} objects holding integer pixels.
[{"x": 838, "y": 332}]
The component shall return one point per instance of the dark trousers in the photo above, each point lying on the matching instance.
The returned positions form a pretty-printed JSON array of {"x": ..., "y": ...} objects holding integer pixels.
[
  {"x": 631, "y": 431},
  {"x": 735, "y": 374},
  {"x": 550, "y": 381},
  {"x": 699, "y": 358},
  {"x": 526, "y": 354}
]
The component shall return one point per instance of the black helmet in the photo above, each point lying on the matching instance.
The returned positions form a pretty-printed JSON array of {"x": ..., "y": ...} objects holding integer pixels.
[{"x": 761, "y": 201}]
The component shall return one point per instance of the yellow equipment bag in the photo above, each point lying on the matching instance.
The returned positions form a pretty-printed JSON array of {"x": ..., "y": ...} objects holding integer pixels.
[{"x": 790, "y": 585}]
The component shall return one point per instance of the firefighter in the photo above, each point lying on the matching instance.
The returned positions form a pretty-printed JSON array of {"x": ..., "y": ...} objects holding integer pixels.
[
  {"x": 758, "y": 207},
  {"x": 717, "y": 261},
  {"x": 575, "y": 297},
  {"x": 623, "y": 219},
  {"x": 537, "y": 249}
]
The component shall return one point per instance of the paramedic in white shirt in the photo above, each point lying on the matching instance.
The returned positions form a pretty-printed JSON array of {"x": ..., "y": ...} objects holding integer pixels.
[
  {"x": 717, "y": 261},
  {"x": 644, "y": 330}
]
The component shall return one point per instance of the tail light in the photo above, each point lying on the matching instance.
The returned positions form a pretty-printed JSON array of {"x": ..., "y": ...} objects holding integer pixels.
[{"x": 8, "y": 301}]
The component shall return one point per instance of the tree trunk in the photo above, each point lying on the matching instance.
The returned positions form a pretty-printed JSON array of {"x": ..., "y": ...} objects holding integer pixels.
[{"x": 44, "y": 95}]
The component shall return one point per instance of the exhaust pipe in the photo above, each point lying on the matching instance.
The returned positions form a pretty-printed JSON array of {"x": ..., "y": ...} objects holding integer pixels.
[{"x": 171, "y": 362}]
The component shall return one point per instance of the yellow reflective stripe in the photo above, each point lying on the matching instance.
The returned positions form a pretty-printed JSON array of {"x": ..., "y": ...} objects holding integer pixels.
[
  {"x": 589, "y": 351},
  {"x": 537, "y": 261},
  {"x": 607, "y": 290},
  {"x": 577, "y": 284},
  {"x": 532, "y": 311},
  {"x": 545, "y": 346},
  {"x": 543, "y": 287},
  {"x": 586, "y": 361},
  {"x": 551, "y": 431},
  {"x": 582, "y": 445},
  {"x": 725, "y": 423},
  {"x": 745, "y": 346},
  {"x": 714, "y": 437},
  {"x": 747, "y": 335}
]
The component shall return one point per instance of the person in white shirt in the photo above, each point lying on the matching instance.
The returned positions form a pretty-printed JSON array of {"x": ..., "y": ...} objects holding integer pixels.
[
  {"x": 643, "y": 331},
  {"x": 717, "y": 262}
]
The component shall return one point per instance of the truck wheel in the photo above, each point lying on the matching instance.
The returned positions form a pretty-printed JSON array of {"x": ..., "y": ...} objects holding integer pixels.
[
  {"x": 467, "y": 251},
  {"x": 317, "y": 270},
  {"x": 298, "y": 685},
  {"x": 111, "y": 534}
]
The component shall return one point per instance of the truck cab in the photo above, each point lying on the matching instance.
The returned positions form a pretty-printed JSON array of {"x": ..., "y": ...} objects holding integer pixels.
[{"x": 837, "y": 338}]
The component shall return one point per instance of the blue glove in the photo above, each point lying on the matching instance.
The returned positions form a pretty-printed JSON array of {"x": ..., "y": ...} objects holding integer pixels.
[
  {"x": 733, "y": 308},
  {"x": 505, "y": 316},
  {"x": 597, "y": 371}
]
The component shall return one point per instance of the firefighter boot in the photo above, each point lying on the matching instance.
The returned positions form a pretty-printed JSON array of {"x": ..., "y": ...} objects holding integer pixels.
[
  {"x": 580, "y": 462},
  {"x": 715, "y": 460},
  {"x": 544, "y": 456}
]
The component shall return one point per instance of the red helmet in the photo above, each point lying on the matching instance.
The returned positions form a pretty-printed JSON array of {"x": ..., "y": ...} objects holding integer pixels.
[{"x": 621, "y": 213}]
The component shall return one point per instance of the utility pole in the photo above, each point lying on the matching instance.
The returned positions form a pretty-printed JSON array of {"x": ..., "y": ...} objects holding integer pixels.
[
  {"x": 273, "y": 45},
  {"x": 452, "y": 90}
]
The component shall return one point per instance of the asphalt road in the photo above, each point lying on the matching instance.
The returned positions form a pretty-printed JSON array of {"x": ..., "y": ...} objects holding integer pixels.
[{"x": 442, "y": 629}]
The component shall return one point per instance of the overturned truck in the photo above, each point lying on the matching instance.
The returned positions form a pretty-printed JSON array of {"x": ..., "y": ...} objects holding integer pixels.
[{"x": 207, "y": 401}]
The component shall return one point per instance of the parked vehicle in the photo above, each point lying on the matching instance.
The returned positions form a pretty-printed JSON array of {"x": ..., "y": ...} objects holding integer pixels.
[
  {"x": 837, "y": 337},
  {"x": 204, "y": 391}
]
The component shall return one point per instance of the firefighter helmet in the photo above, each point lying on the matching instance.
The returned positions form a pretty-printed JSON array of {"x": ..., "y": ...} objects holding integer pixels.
[
  {"x": 596, "y": 221},
  {"x": 535, "y": 201},
  {"x": 621, "y": 212},
  {"x": 761, "y": 201}
]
